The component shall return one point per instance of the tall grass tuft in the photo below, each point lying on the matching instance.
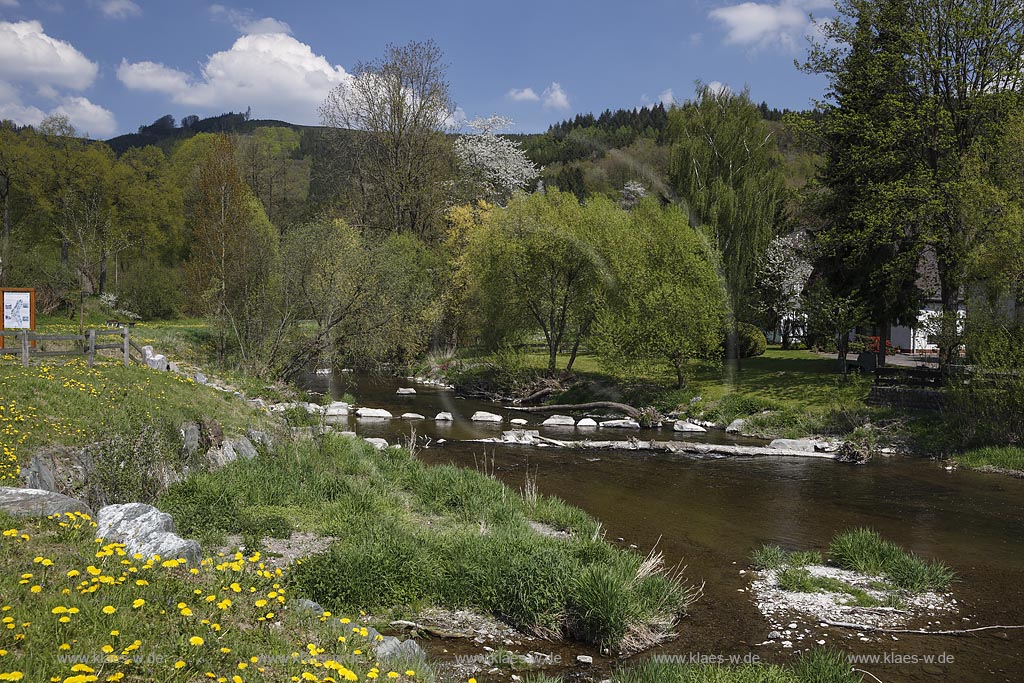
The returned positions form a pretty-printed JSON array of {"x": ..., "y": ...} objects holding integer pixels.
[
  {"x": 865, "y": 551},
  {"x": 768, "y": 557}
]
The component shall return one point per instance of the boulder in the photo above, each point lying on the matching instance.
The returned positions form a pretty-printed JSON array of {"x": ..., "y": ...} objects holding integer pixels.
[
  {"x": 314, "y": 409},
  {"x": 736, "y": 426},
  {"x": 443, "y": 417},
  {"x": 406, "y": 652},
  {"x": 157, "y": 362},
  {"x": 379, "y": 444},
  {"x": 190, "y": 435},
  {"x": 337, "y": 409},
  {"x": 307, "y": 606},
  {"x": 687, "y": 426},
  {"x": 413, "y": 416},
  {"x": 620, "y": 424},
  {"x": 243, "y": 447},
  {"x": 62, "y": 469},
  {"x": 484, "y": 416},
  {"x": 587, "y": 422},
  {"x": 405, "y": 391},
  {"x": 524, "y": 436},
  {"x": 801, "y": 445},
  {"x": 145, "y": 530},
  {"x": 560, "y": 421},
  {"x": 259, "y": 438},
  {"x": 374, "y": 413},
  {"x": 19, "y": 502},
  {"x": 200, "y": 378},
  {"x": 222, "y": 455},
  {"x": 518, "y": 421}
]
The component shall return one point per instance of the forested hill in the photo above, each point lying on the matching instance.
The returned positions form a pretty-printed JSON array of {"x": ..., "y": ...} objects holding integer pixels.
[{"x": 165, "y": 131}]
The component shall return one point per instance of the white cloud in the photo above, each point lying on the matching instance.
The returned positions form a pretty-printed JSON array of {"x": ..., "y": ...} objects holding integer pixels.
[
  {"x": 275, "y": 74},
  {"x": 8, "y": 3},
  {"x": 667, "y": 97},
  {"x": 522, "y": 95},
  {"x": 28, "y": 55},
  {"x": 456, "y": 120},
  {"x": 718, "y": 88},
  {"x": 245, "y": 23},
  {"x": 152, "y": 76},
  {"x": 783, "y": 24},
  {"x": 87, "y": 118},
  {"x": 555, "y": 97},
  {"x": 119, "y": 9}
]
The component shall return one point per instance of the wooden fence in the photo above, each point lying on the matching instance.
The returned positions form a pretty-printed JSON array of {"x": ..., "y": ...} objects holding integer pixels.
[{"x": 27, "y": 344}]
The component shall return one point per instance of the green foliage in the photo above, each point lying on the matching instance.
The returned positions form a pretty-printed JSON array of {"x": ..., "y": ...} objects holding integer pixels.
[
  {"x": 1009, "y": 458},
  {"x": 152, "y": 290},
  {"x": 397, "y": 558},
  {"x": 865, "y": 551},
  {"x": 750, "y": 340},
  {"x": 669, "y": 305},
  {"x": 298, "y": 416},
  {"x": 727, "y": 168},
  {"x": 768, "y": 557}
]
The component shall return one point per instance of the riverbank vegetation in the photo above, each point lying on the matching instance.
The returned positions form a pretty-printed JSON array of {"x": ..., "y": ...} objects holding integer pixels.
[
  {"x": 664, "y": 243},
  {"x": 428, "y": 535},
  {"x": 75, "y": 610}
]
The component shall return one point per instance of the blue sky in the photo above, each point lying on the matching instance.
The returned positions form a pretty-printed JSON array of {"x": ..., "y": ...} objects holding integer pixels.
[{"x": 112, "y": 65}]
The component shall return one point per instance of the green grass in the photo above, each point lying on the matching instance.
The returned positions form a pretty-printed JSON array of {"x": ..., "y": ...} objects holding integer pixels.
[
  {"x": 865, "y": 551},
  {"x": 65, "y": 402},
  {"x": 73, "y": 603},
  {"x": 411, "y": 535},
  {"x": 1007, "y": 458},
  {"x": 816, "y": 666},
  {"x": 802, "y": 390},
  {"x": 798, "y": 579},
  {"x": 774, "y": 557}
]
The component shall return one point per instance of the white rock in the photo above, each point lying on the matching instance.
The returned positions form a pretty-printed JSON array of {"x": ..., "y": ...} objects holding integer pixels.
[
  {"x": 518, "y": 421},
  {"x": 620, "y": 424},
  {"x": 405, "y": 391},
  {"x": 523, "y": 436},
  {"x": 337, "y": 409},
  {"x": 587, "y": 422},
  {"x": 584, "y": 659},
  {"x": 484, "y": 416},
  {"x": 801, "y": 445},
  {"x": 157, "y": 362},
  {"x": 559, "y": 421},
  {"x": 379, "y": 444},
  {"x": 687, "y": 426},
  {"x": 443, "y": 417},
  {"x": 413, "y": 416},
  {"x": 146, "y": 531},
  {"x": 375, "y": 413},
  {"x": 736, "y": 426}
]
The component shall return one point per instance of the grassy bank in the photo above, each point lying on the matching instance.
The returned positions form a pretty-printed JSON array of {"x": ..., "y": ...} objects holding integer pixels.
[
  {"x": 76, "y": 611},
  {"x": 410, "y": 536},
  {"x": 1007, "y": 458},
  {"x": 784, "y": 393},
  {"x": 815, "y": 666},
  {"x": 65, "y": 402}
]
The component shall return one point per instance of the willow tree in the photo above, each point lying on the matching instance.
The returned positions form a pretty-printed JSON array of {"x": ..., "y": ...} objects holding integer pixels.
[{"x": 727, "y": 169}]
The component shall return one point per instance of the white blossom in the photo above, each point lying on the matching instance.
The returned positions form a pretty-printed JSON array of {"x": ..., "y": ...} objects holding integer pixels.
[{"x": 497, "y": 164}]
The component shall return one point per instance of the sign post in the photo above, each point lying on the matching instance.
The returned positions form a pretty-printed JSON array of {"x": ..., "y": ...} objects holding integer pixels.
[{"x": 19, "y": 310}]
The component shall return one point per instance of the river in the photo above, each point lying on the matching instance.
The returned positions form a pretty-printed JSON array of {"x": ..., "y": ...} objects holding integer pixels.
[{"x": 710, "y": 513}]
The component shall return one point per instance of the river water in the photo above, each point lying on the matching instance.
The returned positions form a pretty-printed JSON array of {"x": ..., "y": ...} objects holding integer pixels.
[{"x": 710, "y": 513}]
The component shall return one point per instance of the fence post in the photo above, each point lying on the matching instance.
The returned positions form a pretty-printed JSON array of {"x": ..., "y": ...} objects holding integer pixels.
[
  {"x": 124, "y": 331},
  {"x": 92, "y": 347},
  {"x": 24, "y": 348}
]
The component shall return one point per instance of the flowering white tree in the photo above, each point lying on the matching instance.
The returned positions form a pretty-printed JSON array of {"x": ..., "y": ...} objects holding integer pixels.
[
  {"x": 780, "y": 281},
  {"x": 495, "y": 167}
]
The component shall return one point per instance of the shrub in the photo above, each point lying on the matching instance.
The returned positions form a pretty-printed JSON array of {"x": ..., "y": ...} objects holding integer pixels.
[
  {"x": 153, "y": 291},
  {"x": 297, "y": 416},
  {"x": 750, "y": 340},
  {"x": 135, "y": 462}
]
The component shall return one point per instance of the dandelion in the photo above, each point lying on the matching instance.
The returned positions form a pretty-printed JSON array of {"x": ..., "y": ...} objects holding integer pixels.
[
  {"x": 109, "y": 609},
  {"x": 196, "y": 641},
  {"x": 139, "y": 602}
]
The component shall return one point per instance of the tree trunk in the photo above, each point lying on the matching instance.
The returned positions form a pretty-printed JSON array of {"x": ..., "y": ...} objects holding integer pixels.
[
  {"x": 787, "y": 334},
  {"x": 883, "y": 342},
  {"x": 678, "y": 364},
  {"x": 5, "y": 232},
  {"x": 103, "y": 271}
]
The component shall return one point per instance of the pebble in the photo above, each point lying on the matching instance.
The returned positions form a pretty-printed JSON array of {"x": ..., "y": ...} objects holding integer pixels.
[
  {"x": 820, "y": 642},
  {"x": 584, "y": 659},
  {"x": 793, "y": 625}
]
